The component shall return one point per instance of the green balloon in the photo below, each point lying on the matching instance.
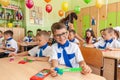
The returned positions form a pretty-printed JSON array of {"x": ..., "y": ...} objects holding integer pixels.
[
  {"x": 87, "y": 1},
  {"x": 77, "y": 9}
]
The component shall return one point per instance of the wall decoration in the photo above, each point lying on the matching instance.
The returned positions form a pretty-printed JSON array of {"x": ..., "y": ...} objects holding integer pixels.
[
  {"x": 36, "y": 15},
  {"x": 29, "y": 3},
  {"x": 48, "y": 8},
  {"x": 93, "y": 21},
  {"x": 47, "y": 1},
  {"x": 60, "y": 13},
  {"x": 64, "y": 6}
]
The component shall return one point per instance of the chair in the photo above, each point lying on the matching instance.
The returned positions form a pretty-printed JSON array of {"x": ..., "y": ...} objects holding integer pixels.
[{"x": 93, "y": 57}]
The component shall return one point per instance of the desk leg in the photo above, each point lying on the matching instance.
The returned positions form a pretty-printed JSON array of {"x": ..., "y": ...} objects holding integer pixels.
[{"x": 110, "y": 68}]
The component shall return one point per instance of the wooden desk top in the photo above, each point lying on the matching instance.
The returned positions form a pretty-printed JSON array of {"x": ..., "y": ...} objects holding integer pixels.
[
  {"x": 112, "y": 54},
  {"x": 14, "y": 71},
  {"x": 27, "y": 43}
]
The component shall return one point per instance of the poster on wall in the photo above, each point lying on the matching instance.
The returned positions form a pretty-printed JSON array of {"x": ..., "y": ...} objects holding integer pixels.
[{"x": 36, "y": 15}]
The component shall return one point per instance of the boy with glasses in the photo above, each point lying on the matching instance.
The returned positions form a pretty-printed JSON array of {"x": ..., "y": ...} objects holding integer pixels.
[{"x": 65, "y": 52}]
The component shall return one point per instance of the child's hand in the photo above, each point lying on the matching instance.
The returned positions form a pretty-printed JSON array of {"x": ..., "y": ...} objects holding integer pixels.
[
  {"x": 12, "y": 54},
  {"x": 85, "y": 69},
  {"x": 53, "y": 72},
  {"x": 71, "y": 25},
  {"x": 3, "y": 47},
  {"x": 109, "y": 48},
  {"x": 31, "y": 58}
]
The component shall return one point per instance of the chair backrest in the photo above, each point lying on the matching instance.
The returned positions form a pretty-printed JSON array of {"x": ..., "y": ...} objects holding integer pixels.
[{"x": 92, "y": 56}]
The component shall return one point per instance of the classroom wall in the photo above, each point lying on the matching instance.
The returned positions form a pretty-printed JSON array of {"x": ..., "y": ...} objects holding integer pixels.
[
  {"x": 3, "y": 22},
  {"x": 82, "y": 4},
  {"x": 106, "y": 16},
  {"x": 48, "y": 18}
]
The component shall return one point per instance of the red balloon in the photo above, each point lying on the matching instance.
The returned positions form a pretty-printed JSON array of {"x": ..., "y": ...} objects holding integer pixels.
[
  {"x": 48, "y": 8},
  {"x": 47, "y": 1},
  {"x": 61, "y": 13},
  {"x": 29, "y": 3}
]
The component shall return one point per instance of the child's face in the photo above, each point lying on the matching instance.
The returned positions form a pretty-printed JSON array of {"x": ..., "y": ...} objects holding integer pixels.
[
  {"x": 107, "y": 36},
  {"x": 61, "y": 35},
  {"x": 1, "y": 34},
  {"x": 41, "y": 40},
  {"x": 71, "y": 36},
  {"x": 6, "y": 36},
  {"x": 30, "y": 34},
  {"x": 88, "y": 34},
  {"x": 101, "y": 33}
]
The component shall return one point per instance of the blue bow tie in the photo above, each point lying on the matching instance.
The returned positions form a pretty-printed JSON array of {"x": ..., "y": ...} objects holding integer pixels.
[
  {"x": 29, "y": 39},
  {"x": 109, "y": 41},
  {"x": 65, "y": 55},
  {"x": 44, "y": 46},
  {"x": 72, "y": 40},
  {"x": 64, "y": 45},
  {"x": 106, "y": 41},
  {"x": 9, "y": 39},
  {"x": 41, "y": 50},
  {"x": 8, "y": 45}
]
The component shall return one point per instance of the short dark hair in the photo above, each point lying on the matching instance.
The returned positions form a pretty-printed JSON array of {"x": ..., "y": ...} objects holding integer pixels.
[
  {"x": 73, "y": 31},
  {"x": 44, "y": 33},
  {"x": 91, "y": 31},
  {"x": 102, "y": 30},
  {"x": 109, "y": 29},
  {"x": 10, "y": 32},
  {"x": 39, "y": 30},
  {"x": 29, "y": 31},
  {"x": 1, "y": 31},
  {"x": 70, "y": 17},
  {"x": 57, "y": 26}
]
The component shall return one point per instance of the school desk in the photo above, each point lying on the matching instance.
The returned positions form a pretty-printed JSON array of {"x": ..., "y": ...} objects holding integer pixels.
[
  {"x": 108, "y": 60},
  {"x": 14, "y": 71},
  {"x": 24, "y": 45},
  {"x": 111, "y": 59}
]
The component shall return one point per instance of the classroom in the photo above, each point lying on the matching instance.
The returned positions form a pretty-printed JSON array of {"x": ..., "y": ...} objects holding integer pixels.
[{"x": 59, "y": 39}]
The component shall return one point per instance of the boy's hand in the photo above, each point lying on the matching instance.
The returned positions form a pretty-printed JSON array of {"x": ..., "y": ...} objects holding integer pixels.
[
  {"x": 12, "y": 54},
  {"x": 53, "y": 72},
  {"x": 31, "y": 58},
  {"x": 85, "y": 69},
  {"x": 3, "y": 47},
  {"x": 109, "y": 48}
]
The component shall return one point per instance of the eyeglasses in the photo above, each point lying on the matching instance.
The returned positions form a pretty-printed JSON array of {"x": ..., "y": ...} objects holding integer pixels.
[{"x": 59, "y": 35}]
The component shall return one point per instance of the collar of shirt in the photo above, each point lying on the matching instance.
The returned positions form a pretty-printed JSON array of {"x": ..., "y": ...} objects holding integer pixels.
[
  {"x": 109, "y": 41},
  {"x": 64, "y": 45},
  {"x": 9, "y": 39},
  {"x": 72, "y": 40},
  {"x": 29, "y": 36},
  {"x": 44, "y": 46}
]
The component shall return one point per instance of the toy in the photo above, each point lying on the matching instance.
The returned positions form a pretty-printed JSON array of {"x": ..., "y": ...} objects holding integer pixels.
[
  {"x": 61, "y": 71},
  {"x": 24, "y": 61},
  {"x": 41, "y": 75},
  {"x": 11, "y": 59}
]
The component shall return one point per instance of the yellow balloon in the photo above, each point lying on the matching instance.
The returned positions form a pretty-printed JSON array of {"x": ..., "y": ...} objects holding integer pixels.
[
  {"x": 10, "y": 25},
  {"x": 99, "y": 3},
  {"x": 65, "y": 6},
  {"x": 5, "y": 2},
  {"x": 0, "y": 1}
]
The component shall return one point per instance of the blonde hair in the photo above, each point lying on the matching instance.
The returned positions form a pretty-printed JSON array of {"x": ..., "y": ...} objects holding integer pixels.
[
  {"x": 58, "y": 26},
  {"x": 44, "y": 33}
]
